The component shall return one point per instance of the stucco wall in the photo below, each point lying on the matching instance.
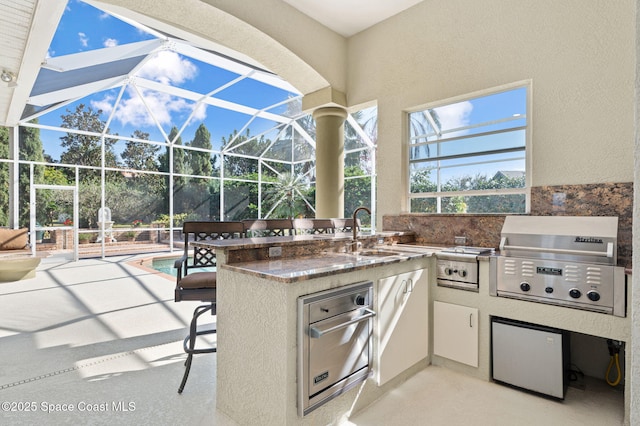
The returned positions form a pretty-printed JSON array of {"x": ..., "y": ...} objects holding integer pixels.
[
  {"x": 635, "y": 297},
  {"x": 578, "y": 54}
]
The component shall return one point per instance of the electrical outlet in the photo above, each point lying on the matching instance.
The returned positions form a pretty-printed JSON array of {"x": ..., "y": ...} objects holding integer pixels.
[
  {"x": 275, "y": 251},
  {"x": 460, "y": 241}
]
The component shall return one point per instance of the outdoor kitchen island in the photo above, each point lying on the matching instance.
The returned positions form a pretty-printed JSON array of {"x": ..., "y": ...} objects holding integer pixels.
[{"x": 257, "y": 320}]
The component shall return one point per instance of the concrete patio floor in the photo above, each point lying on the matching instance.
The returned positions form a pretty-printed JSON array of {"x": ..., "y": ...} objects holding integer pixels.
[
  {"x": 102, "y": 338},
  {"x": 99, "y": 342}
]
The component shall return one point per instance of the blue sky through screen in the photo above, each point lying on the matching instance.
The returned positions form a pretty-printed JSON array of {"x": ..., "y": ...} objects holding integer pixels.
[
  {"x": 84, "y": 28},
  {"x": 510, "y": 105}
]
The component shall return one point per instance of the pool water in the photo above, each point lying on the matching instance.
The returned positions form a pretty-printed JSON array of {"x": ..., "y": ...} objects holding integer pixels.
[{"x": 165, "y": 265}]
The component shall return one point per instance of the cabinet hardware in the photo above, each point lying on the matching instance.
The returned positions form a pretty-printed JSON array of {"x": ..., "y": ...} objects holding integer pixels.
[{"x": 317, "y": 333}]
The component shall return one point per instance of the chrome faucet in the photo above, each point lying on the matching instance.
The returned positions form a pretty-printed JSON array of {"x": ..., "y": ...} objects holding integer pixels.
[{"x": 354, "y": 242}]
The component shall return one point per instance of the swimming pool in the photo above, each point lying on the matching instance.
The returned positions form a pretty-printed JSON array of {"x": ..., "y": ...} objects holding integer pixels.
[{"x": 165, "y": 265}]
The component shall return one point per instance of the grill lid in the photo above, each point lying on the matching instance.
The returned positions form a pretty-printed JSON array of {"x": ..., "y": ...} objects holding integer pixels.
[{"x": 576, "y": 238}]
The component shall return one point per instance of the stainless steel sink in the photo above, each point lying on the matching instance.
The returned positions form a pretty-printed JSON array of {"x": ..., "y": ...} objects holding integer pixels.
[{"x": 376, "y": 253}]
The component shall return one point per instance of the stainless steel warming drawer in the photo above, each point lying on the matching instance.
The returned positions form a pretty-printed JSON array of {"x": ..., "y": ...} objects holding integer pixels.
[{"x": 335, "y": 329}]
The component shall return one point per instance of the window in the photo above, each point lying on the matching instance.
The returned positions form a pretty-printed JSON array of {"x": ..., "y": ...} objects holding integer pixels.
[{"x": 469, "y": 156}]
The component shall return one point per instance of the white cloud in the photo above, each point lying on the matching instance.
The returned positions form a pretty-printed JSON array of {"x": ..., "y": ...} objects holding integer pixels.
[
  {"x": 84, "y": 40},
  {"x": 105, "y": 104},
  {"x": 110, "y": 42},
  {"x": 454, "y": 115},
  {"x": 168, "y": 67},
  {"x": 164, "y": 107}
]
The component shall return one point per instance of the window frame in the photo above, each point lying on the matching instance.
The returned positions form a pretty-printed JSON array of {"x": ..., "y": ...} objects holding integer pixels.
[{"x": 439, "y": 194}]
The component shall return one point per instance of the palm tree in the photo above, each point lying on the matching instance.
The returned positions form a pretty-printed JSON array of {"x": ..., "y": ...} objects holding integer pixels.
[
  {"x": 426, "y": 122},
  {"x": 286, "y": 195}
]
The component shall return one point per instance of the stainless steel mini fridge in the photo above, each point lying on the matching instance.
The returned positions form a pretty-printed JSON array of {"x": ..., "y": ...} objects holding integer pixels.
[{"x": 530, "y": 356}]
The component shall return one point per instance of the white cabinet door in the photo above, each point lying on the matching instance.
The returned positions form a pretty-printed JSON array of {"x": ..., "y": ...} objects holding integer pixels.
[
  {"x": 455, "y": 332},
  {"x": 401, "y": 323}
]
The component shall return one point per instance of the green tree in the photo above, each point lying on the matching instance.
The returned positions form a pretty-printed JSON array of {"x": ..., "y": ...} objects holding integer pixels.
[
  {"x": 178, "y": 154},
  {"x": 357, "y": 191},
  {"x": 50, "y": 204},
  {"x": 241, "y": 199},
  {"x": 286, "y": 196},
  {"x": 426, "y": 122},
  {"x": 352, "y": 140},
  {"x": 30, "y": 149},
  {"x": 140, "y": 155},
  {"x": 201, "y": 160},
  {"x": 508, "y": 203},
  {"x": 4, "y": 177},
  {"x": 179, "y": 182},
  {"x": 421, "y": 182},
  {"x": 83, "y": 149},
  {"x": 235, "y": 166}
]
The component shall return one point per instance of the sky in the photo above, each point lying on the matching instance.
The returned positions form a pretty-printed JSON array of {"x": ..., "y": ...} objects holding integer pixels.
[
  {"x": 487, "y": 108},
  {"x": 83, "y": 28}
]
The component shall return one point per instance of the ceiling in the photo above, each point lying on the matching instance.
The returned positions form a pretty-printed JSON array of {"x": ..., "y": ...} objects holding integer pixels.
[
  {"x": 27, "y": 27},
  {"x": 349, "y": 17}
]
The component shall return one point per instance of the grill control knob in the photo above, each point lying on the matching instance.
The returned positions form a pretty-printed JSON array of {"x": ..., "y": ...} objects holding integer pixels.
[
  {"x": 594, "y": 296},
  {"x": 462, "y": 272},
  {"x": 448, "y": 271},
  {"x": 525, "y": 286},
  {"x": 575, "y": 293},
  {"x": 359, "y": 300},
  {"x": 548, "y": 290}
]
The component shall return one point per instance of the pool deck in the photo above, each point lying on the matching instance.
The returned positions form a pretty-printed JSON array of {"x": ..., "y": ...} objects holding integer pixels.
[
  {"x": 101, "y": 333},
  {"x": 146, "y": 263}
]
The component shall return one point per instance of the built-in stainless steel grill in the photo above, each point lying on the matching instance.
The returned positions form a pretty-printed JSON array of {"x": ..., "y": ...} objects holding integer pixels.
[{"x": 562, "y": 260}]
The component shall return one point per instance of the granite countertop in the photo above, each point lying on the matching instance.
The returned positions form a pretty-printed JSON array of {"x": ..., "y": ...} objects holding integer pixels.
[
  {"x": 312, "y": 256},
  {"x": 291, "y": 240},
  {"x": 289, "y": 270}
]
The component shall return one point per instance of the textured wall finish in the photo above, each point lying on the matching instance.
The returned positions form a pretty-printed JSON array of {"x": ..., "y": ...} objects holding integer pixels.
[
  {"x": 579, "y": 59},
  {"x": 634, "y": 297}
]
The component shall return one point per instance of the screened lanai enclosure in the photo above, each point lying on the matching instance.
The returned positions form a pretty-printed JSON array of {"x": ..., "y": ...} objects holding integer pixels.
[{"x": 129, "y": 131}]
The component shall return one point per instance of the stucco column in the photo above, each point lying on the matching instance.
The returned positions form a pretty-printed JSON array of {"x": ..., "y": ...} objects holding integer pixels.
[{"x": 329, "y": 161}]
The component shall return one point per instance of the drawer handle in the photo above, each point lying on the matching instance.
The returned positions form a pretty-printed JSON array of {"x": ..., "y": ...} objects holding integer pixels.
[{"x": 316, "y": 333}]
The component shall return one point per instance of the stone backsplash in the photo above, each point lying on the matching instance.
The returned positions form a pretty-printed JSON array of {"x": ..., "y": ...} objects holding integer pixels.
[{"x": 607, "y": 199}]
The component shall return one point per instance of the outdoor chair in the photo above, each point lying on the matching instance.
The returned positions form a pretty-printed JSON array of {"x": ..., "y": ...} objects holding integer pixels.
[
  {"x": 341, "y": 225},
  {"x": 313, "y": 226},
  {"x": 267, "y": 227},
  {"x": 192, "y": 283}
]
